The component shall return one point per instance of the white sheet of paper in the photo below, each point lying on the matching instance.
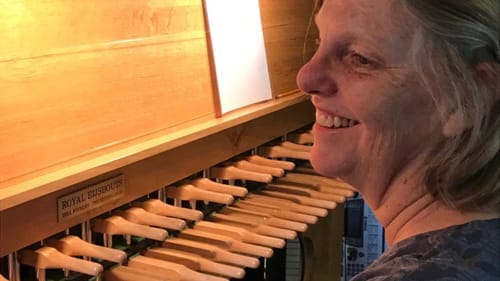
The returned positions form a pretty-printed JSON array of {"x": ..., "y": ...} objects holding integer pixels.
[{"x": 239, "y": 52}]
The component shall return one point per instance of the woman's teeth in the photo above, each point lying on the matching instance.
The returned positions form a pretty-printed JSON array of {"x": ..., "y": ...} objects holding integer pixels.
[{"x": 330, "y": 121}]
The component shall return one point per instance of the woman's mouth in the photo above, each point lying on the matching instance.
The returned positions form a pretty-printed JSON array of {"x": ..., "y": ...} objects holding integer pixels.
[{"x": 332, "y": 121}]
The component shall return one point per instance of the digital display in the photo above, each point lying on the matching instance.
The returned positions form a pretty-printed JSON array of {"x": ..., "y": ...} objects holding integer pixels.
[{"x": 353, "y": 222}]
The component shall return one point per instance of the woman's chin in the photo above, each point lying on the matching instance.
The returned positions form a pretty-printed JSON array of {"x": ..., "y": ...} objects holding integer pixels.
[
  {"x": 320, "y": 169},
  {"x": 328, "y": 166},
  {"x": 323, "y": 167}
]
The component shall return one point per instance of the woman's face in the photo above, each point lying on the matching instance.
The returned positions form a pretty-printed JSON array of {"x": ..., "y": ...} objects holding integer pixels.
[{"x": 372, "y": 117}]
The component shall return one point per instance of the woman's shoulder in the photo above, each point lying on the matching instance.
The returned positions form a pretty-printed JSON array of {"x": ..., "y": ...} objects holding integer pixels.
[{"x": 463, "y": 252}]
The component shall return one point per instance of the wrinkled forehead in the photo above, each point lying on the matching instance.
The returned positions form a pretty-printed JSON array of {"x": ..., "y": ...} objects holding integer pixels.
[
  {"x": 371, "y": 14},
  {"x": 382, "y": 22},
  {"x": 382, "y": 9}
]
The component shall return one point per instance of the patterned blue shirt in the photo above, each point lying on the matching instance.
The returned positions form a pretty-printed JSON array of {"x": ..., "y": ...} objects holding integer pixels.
[{"x": 465, "y": 252}]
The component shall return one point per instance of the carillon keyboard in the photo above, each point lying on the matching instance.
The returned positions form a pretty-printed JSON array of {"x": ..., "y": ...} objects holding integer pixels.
[{"x": 218, "y": 224}]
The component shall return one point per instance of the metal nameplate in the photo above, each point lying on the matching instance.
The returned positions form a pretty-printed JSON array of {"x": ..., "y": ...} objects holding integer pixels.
[{"x": 90, "y": 198}]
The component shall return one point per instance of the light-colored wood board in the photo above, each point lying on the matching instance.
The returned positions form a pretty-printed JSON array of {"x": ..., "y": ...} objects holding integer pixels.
[
  {"x": 61, "y": 107},
  {"x": 33, "y": 28},
  {"x": 79, "y": 76}
]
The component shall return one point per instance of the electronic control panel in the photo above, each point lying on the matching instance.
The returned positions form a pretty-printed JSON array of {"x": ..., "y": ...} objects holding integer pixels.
[{"x": 363, "y": 237}]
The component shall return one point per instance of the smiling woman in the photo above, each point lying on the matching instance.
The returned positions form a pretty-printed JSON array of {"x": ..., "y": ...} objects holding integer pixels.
[{"x": 407, "y": 110}]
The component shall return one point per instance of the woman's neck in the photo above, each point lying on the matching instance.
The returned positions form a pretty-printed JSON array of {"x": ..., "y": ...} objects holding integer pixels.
[
  {"x": 404, "y": 207},
  {"x": 413, "y": 213}
]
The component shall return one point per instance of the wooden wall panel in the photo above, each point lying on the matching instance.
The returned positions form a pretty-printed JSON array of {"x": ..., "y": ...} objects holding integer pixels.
[
  {"x": 77, "y": 76},
  {"x": 285, "y": 24}
]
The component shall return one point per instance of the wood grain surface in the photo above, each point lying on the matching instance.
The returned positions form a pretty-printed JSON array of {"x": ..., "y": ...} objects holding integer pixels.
[{"x": 79, "y": 76}]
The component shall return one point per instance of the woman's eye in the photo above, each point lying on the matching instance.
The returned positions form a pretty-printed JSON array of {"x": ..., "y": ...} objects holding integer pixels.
[
  {"x": 359, "y": 63},
  {"x": 361, "y": 60}
]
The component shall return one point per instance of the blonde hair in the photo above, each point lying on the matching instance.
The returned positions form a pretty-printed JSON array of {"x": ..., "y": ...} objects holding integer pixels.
[{"x": 454, "y": 38}]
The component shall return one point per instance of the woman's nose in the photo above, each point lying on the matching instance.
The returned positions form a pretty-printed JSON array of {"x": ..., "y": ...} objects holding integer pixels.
[{"x": 314, "y": 78}]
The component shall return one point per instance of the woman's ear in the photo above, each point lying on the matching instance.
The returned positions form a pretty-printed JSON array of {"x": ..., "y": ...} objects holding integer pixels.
[
  {"x": 455, "y": 125},
  {"x": 486, "y": 65},
  {"x": 489, "y": 72}
]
